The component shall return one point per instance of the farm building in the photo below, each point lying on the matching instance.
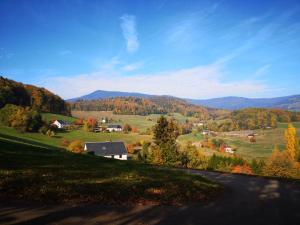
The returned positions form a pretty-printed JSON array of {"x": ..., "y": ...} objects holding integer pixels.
[
  {"x": 114, "y": 150},
  {"x": 114, "y": 128},
  {"x": 229, "y": 149},
  {"x": 60, "y": 124},
  {"x": 205, "y": 132}
]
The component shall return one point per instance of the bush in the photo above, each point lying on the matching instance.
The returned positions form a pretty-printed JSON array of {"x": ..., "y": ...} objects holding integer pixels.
[
  {"x": 280, "y": 165},
  {"x": 224, "y": 163},
  {"x": 130, "y": 148},
  {"x": 245, "y": 169},
  {"x": 76, "y": 146},
  {"x": 127, "y": 128},
  {"x": 23, "y": 119},
  {"x": 65, "y": 143}
]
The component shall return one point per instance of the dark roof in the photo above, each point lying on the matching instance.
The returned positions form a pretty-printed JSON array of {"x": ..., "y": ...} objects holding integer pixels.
[
  {"x": 106, "y": 148},
  {"x": 62, "y": 122},
  {"x": 114, "y": 126}
]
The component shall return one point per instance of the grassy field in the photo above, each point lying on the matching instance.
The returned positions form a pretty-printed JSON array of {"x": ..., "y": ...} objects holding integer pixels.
[
  {"x": 51, "y": 117},
  {"x": 73, "y": 135},
  {"x": 265, "y": 142},
  {"x": 140, "y": 122},
  {"x": 33, "y": 170}
]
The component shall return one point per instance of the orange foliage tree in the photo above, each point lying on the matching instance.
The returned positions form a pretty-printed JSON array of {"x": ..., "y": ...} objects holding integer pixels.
[{"x": 245, "y": 169}]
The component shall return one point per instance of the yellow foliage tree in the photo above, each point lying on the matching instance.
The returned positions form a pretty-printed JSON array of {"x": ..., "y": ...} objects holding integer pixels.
[
  {"x": 281, "y": 165},
  {"x": 76, "y": 146},
  {"x": 291, "y": 142}
]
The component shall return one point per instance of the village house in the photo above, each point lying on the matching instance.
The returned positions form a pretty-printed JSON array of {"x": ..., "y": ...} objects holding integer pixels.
[
  {"x": 114, "y": 128},
  {"x": 114, "y": 150},
  {"x": 205, "y": 132},
  {"x": 60, "y": 124},
  {"x": 229, "y": 149},
  {"x": 198, "y": 124}
]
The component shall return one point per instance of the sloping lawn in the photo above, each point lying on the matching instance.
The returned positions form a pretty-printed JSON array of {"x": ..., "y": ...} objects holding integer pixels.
[{"x": 31, "y": 172}]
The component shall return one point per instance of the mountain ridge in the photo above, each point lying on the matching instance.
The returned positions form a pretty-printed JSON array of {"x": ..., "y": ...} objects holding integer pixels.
[{"x": 291, "y": 102}]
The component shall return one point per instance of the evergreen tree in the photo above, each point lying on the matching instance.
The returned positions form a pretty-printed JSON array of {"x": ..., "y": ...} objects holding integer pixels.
[{"x": 165, "y": 135}]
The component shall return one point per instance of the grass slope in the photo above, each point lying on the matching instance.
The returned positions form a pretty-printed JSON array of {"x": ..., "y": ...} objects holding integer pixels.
[
  {"x": 33, "y": 172},
  {"x": 51, "y": 117}
]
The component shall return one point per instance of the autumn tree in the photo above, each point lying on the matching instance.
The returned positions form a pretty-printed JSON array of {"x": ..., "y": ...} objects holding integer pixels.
[
  {"x": 280, "y": 164},
  {"x": 291, "y": 142},
  {"x": 127, "y": 128},
  {"x": 76, "y": 146},
  {"x": 165, "y": 135}
]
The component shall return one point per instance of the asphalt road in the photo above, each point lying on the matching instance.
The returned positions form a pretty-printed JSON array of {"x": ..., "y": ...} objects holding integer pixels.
[{"x": 247, "y": 200}]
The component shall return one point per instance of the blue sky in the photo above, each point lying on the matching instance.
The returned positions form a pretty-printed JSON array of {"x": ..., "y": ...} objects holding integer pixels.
[{"x": 194, "y": 49}]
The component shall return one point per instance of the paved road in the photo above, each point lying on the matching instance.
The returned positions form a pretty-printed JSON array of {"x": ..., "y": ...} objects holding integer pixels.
[{"x": 248, "y": 200}]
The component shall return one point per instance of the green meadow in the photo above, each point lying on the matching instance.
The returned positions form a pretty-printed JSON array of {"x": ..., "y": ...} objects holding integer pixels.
[{"x": 31, "y": 168}]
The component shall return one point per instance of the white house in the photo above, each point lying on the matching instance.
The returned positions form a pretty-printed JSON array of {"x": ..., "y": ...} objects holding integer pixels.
[
  {"x": 205, "y": 132},
  {"x": 60, "y": 124},
  {"x": 114, "y": 128},
  {"x": 114, "y": 150},
  {"x": 229, "y": 150},
  {"x": 104, "y": 120}
]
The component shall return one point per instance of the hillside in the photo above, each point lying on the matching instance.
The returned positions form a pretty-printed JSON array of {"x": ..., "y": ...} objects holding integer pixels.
[
  {"x": 12, "y": 92},
  {"x": 289, "y": 102},
  {"x": 142, "y": 106},
  {"x": 38, "y": 172}
]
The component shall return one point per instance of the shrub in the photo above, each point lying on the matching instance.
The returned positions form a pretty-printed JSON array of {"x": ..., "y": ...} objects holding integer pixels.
[
  {"x": 245, "y": 169},
  {"x": 280, "y": 165},
  {"x": 23, "y": 119},
  {"x": 127, "y": 128},
  {"x": 65, "y": 143},
  {"x": 50, "y": 133},
  {"x": 76, "y": 146},
  {"x": 224, "y": 163},
  {"x": 130, "y": 148}
]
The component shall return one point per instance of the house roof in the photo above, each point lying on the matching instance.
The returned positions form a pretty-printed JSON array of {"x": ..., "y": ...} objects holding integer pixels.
[
  {"x": 114, "y": 126},
  {"x": 61, "y": 122},
  {"x": 106, "y": 148}
]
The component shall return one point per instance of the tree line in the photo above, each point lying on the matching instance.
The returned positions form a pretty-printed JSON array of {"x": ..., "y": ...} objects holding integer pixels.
[
  {"x": 142, "y": 106},
  {"x": 253, "y": 118}
]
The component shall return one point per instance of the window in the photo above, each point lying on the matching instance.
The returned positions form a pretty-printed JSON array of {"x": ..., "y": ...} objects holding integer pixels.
[{"x": 120, "y": 156}]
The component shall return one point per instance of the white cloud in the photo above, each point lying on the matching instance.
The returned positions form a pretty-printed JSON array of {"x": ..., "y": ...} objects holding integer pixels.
[
  {"x": 262, "y": 71},
  {"x": 132, "y": 67},
  {"x": 128, "y": 25},
  {"x": 197, "y": 82}
]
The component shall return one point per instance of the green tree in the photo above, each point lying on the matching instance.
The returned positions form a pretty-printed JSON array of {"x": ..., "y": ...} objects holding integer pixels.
[{"x": 165, "y": 135}]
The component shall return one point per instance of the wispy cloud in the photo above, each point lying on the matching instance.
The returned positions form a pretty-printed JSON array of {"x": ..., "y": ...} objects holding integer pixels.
[
  {"x": 128, "y": 25},
  {"x": 132, "y": 67},
  {"x": 4, "y": 54},
  {"x": 188, "y": 28},
  {"x": 196, "y": 82},
  {"x": 262, "y": 71}
]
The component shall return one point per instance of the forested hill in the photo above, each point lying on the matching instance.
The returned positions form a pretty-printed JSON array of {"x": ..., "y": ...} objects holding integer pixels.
[
  {"x": 143, "y": 106},
  {"x": 12, "y": 92}
]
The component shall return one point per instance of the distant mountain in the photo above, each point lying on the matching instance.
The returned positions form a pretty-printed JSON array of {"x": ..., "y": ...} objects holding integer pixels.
[
  {"x": 232, "y": 103},
  {"x": 100, "y": 94}
]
